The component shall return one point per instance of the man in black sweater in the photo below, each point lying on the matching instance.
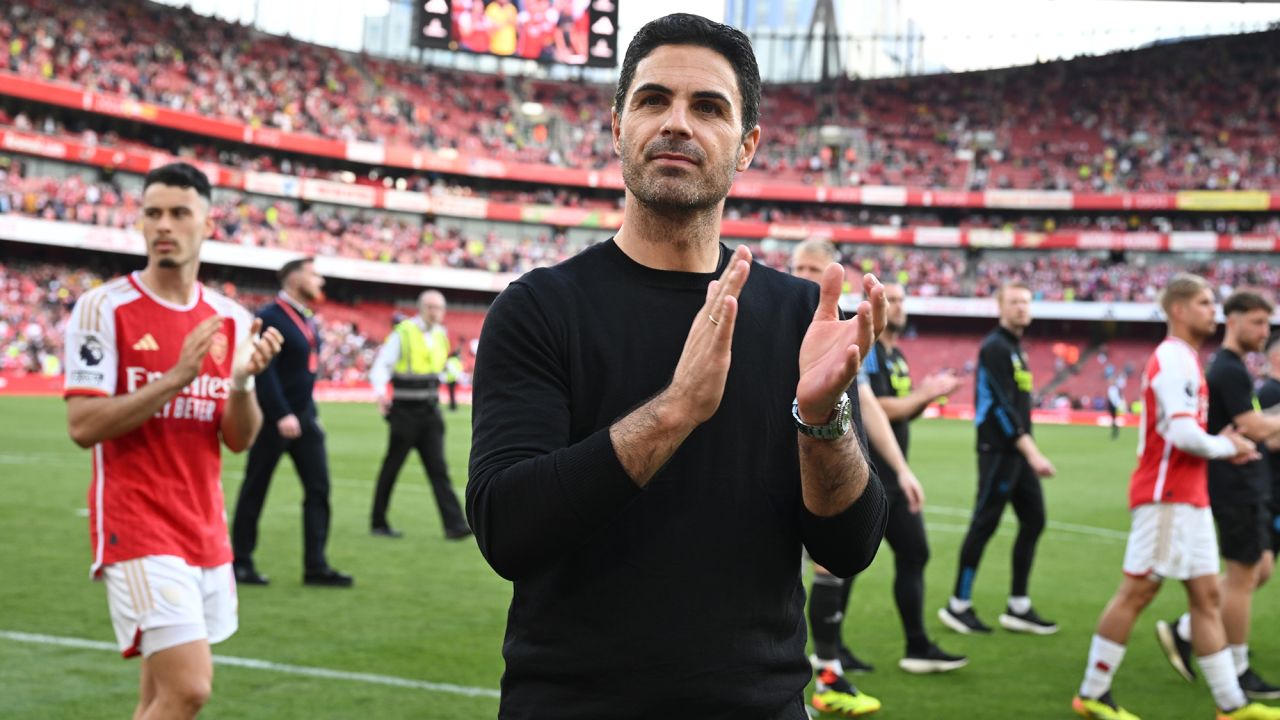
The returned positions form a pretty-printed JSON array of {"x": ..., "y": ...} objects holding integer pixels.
[
  {"x": 1010, "y": 466},
  {"x": 647, "y": 492},
  {"x": 289, "y": 425},
  {"x": 1269, "y": 400}
]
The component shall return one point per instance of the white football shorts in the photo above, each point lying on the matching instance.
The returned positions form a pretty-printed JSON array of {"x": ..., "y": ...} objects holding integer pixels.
[
  {"x": 1171, "y": 540},
  {"x": 159, "y": 601}
]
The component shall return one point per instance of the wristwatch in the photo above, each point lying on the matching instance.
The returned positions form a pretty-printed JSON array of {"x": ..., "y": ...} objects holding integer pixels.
[{"x": 838, "y": 426}]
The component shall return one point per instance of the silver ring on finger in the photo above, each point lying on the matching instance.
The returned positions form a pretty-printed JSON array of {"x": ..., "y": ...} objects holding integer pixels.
[{"x": 713, "y": 320}]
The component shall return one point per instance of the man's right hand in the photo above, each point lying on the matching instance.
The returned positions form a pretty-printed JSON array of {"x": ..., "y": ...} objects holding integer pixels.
[
  {"x": 384, "y": 405},
  {"x": 698, "y": 383},
  {"x": 1246, "y": 450},
  {"x": 289, "y": 427},
  {"x": 1041, "y": 465},
  {"x": 912, "y": 490},
  {"x": 194, "y": 347}
]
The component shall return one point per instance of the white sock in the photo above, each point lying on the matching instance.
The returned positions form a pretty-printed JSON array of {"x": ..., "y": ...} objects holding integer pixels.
[
  {"x": 1220, "y": 672},
  {"x": 958, "y": 606},
  {"x": 1020, "y": 604},
  {"x": 1184, "y": 627},
  {"x": 833, "y": 665},
  {"x": 1240, "y": 656},
  {"x": 1104, "y": 658}
]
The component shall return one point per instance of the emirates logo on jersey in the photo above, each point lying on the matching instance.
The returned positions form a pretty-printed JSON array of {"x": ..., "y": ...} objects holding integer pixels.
[
  {"x": 197, "y": 401},
  {"x": 218, "y": 347}
]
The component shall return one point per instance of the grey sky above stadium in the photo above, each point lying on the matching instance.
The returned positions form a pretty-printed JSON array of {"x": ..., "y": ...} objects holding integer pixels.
[{"x": 959, "y": 35}]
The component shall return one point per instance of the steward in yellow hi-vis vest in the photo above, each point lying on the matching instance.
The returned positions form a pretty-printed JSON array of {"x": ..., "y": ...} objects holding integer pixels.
[
  {"x": 423, "y": 354},
  {"x": 406, "y": 380},
  {"x": 452, "y": 374}
]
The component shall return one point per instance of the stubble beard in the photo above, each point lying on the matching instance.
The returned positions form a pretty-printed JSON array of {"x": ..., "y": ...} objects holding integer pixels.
[{"x": 668, "y": 194}]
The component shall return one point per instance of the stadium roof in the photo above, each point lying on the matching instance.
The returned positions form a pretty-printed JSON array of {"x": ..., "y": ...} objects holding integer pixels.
[{"x": 956, "y": 37}]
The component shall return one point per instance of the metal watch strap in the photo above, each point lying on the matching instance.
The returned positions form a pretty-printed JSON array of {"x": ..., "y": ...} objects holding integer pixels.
[{"x": 839, "y": 425}]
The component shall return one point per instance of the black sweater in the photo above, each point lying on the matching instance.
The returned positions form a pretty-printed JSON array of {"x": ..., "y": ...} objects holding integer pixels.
[
  {"x": 286, "y": 386},
  {"x": 683, "y": 599}
]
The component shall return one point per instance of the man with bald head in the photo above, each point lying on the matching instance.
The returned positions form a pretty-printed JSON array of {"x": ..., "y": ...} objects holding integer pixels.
[
  {"x": 406, "y": 379},
  {"x": 888, "y": 404}
]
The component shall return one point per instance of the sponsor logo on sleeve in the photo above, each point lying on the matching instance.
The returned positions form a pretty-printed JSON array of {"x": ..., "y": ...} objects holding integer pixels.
[{"x": 86, "y": 377}]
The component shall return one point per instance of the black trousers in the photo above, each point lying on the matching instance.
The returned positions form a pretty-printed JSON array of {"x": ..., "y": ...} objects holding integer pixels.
[
  {"x": 417, "y": 426},
  {"x": 905, "y": 534},
  {"x": 308, "y": 454},
  {"x": 1003, "y": 478},
  {"x": 453, "y": 395}
]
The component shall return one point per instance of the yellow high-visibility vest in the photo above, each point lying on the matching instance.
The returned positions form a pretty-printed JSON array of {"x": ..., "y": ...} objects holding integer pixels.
[{"x": 421, "y": 353}]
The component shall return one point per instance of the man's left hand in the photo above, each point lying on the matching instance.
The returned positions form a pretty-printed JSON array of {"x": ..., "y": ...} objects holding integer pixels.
[
  {"x": 254, "y": 356},
  {"x": 833, "y": 348}
]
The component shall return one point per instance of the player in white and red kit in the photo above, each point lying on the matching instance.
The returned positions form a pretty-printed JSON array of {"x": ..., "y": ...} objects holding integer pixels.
[
  {"x": 159, "y": 372},
  {"x": 1172, "y": 535}
]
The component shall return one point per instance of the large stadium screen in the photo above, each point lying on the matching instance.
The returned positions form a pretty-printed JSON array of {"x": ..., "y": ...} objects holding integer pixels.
[{"x": 572, "y": 32}]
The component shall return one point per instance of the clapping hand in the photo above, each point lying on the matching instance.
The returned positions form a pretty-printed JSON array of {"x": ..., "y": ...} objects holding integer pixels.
[{"x": 833, "y": 349}]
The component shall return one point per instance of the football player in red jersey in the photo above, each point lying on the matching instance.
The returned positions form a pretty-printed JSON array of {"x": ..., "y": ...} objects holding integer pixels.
[
  {"x": 1172, "y": 535},
  {"x": 159, "y": 374}
]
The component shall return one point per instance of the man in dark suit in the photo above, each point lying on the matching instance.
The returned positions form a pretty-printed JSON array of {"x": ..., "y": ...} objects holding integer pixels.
[{"x": 289, "y": 425}]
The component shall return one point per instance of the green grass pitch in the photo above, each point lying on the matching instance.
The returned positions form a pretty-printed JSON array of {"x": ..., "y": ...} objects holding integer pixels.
[{"x": 432, "y": 611}]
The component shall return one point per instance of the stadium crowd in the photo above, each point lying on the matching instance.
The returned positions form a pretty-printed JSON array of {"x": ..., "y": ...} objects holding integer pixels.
[
  {"x": 1192, "y": 115},
  {"x": 36, "y": 300},
  {"x": 384, "y": 237}
]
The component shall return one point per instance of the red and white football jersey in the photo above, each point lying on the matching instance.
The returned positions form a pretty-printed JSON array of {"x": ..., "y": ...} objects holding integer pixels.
[
  {"x": 1173, "y": 386},
  {"x": 156, "y": 490}
]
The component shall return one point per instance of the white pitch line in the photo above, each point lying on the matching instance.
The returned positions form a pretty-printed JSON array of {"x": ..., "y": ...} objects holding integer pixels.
[
  {"x": 255, "y": 664},
  {"x": 1107, "y": 533}
]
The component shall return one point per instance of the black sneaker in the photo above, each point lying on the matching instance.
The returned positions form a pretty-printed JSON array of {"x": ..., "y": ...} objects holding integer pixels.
[
  {"x": 461, "y": 533},
  {"x": 965, "y": 623},
  {"x": 851, "y": 663},
  {"x": 1176, "y": 650},
  {"x": 933, "y": 660},
  {"x": 1027, "y": 622},
  {"x": 327, "y": 577},
  {"x": 248, "y": 575},
  {"x": 385, "y": 531},
  {"x": 1255, "y": 688}
]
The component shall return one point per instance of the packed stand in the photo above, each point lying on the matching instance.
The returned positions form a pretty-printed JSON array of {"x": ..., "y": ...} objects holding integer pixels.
[
  {"x": 36, "y": 300},
  {"x": 374, "y": 236},
  {"x": 383, "y": 237},
  {"x": 1189, "y": 115}
]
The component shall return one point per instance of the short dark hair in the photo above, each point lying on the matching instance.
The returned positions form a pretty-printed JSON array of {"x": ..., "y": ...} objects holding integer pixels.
[
  {"x": 180, "y": 174},
  {"x": 1243, "y": 301},
  {"x": 292, "y": 267},
  {"x": 686, "y": 29}
]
